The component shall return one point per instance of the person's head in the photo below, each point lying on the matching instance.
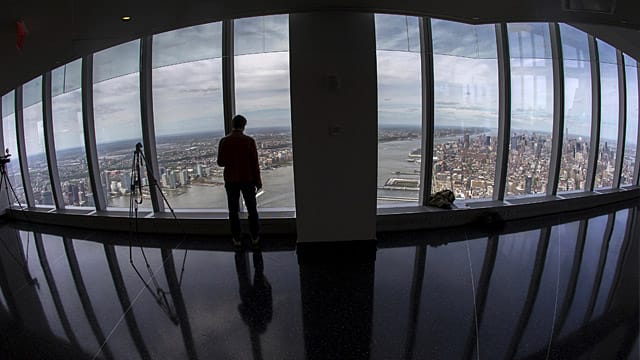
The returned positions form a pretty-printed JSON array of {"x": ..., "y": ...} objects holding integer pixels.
[{"x": 238, "y": 122}]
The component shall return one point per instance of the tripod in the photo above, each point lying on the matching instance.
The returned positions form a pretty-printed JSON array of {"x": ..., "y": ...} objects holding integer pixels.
[{"x": 136, "y": 198}]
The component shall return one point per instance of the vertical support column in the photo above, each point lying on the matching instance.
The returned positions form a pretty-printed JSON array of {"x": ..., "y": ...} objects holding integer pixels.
[
  {"x": 49, "y": 144},
  {"x": 91, "y": 149},
  {"x": 428, "y": 108},
  {"x": 22, "y": 150},
  {"x": 558, "y": 109},
  {"x": 228, "y": 75},
  {"x": 333, "y": 63},
  {"x": 594, "y": 146},
  {"x": 622, "y": 118},
  {"x": 148, "y": 128},
  {"x": 636, "y": 169},
  {"x": 504, "y": 111}
]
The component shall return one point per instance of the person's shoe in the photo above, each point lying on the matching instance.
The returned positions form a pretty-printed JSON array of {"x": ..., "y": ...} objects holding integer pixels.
[
  {"x": 255, "y": 240},
  {"x": 236, "y": 241}
]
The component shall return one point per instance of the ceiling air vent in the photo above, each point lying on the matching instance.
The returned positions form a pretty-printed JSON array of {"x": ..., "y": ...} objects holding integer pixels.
[{"x": 597, "y": 6}]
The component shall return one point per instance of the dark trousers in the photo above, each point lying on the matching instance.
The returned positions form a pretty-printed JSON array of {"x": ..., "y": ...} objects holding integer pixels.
[{"x": 233, "y": 199}]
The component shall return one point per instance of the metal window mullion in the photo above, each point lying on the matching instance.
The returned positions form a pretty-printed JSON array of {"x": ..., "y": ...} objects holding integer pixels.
[
  {"x": 504, "y": 111},
  {"x": 636, "y": 171},
  {"x": 22, "y": 150},
  {"x": 428, "y": 108},
  {"x": 1, "y": 129},
  {"x": 595, "y": 114},
  {"x": 49, "y": 145},
  {"x": 558, "y": 109},
  {"x": 147, "y": 122},
  {"x": 228, "y": 75},
  {"x": 90, "y": 134},
  {"x": 622, "y": 118}
]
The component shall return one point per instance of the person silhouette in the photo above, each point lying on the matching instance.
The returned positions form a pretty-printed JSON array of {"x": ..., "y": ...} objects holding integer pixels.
[
  {"x": 238, "y": 154},
  {"x": 256, "y": 306}
]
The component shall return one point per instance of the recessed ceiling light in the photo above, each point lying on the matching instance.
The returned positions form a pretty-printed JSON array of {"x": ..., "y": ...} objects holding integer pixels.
[{"x": 126, "y": 18}]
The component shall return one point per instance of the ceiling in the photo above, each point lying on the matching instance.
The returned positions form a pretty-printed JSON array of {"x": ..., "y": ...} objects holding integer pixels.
[{"x": 64, "y": 30}]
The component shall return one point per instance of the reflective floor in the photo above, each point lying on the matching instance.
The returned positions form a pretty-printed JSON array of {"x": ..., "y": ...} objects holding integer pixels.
[{"x": 533, "y": 290}]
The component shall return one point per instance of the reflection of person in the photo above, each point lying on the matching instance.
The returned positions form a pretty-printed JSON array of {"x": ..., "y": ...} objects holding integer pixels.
[
  {"x": 238, "y": 154},
  {"x": 256, "y": 307}
]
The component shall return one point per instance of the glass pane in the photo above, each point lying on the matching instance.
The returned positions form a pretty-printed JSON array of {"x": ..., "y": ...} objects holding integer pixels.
[
  {"x": 397, "y": 33},
  {"x": 262, "y": 96},
  {"x": 66, "y": 78},
  {"x": 399, "y": 114},
  {"x": 261, "y": 34},
  {"x": 187, "y": 44},
  {"x": 631, "y": 134},
  {"x": 117, "y": 120},
  {"x": 116, "y": 61},
  {"x": 69, "y": 140},
  {"x": 189, "y": 119},
  {"x": 466, "y": 109},
  {"x": 531, "y": 109},
  {"x": 577, "y": 109},
  {"x": 34, "y": 141},
  {"x": 10, "y": 143},
  {"x": 609, "y": 110},
  {"x": 8, "y": 104}
]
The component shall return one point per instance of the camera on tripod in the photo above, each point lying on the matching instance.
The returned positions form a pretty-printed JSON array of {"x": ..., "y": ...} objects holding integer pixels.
[{"x": 4, "y": 159}]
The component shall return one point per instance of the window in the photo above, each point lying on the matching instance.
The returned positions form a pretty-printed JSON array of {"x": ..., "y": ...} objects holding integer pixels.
[
  {"x": 10, "y": 143},
  {"x": 34, "y": 142},
  {"x": 66, "y": 105},
  {"x": 466, "y": 108},
  {"x": 116, "y": 101},
  {"x": 531, "y": 109},
  {"x": 188, "y": 115},
  {"x": 577, "y": 109},
  {"x": 609, "y": 116},
  {"x": 262, "y": 95},
  {"x": 399, "y": 109},
  {"x": 631, "y": 134}
]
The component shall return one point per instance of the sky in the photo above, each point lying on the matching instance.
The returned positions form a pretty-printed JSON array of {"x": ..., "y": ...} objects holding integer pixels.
[{"x": 187, "y": 81}]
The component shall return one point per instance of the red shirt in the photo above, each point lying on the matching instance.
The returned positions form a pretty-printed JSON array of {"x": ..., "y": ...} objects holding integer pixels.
[{"x": 238, "y": 154}]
